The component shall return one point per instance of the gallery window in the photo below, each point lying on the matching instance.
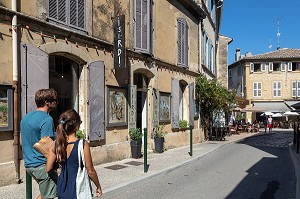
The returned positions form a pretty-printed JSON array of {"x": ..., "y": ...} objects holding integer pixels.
[{"x": 6, "y": 108}]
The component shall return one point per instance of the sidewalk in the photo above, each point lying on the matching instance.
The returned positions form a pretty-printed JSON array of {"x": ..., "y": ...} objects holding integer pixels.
[{"x": 116, "y": 177}]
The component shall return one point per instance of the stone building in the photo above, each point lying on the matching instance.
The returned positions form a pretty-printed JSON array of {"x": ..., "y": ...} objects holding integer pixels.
[
  {"x": 120, "y": 64},
  {"x": 269, "y": 81}
]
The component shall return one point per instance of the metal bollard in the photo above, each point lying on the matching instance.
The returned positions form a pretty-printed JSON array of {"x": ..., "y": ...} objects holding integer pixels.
[
  {"x": 28, "y": 186},
  {"x": 297, "y": 139},
  {"x": 191, "y": 140},
  {"x": 294, "y": 138},
  {"x": 145, "y": 151}
]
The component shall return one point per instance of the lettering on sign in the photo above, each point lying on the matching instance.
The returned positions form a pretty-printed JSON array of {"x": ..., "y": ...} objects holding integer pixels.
[{"x": 119, "y": 41}]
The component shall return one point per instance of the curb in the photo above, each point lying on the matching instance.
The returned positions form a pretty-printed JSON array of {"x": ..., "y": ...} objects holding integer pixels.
[
  {"x": 118, "y": 189},
  {"x": 296, "y": 165}
]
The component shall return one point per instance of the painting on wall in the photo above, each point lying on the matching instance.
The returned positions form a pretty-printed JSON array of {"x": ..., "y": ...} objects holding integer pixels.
[
  {"x": 164, "y": 107},
  {"x": 116, "y": 106}
]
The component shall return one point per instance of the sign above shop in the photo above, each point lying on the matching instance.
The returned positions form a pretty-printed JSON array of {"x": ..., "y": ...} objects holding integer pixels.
[{"x": 119, "y": 42}]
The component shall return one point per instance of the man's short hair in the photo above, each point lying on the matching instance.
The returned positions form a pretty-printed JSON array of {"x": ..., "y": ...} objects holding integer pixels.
[{"x": 45, "y": 95}]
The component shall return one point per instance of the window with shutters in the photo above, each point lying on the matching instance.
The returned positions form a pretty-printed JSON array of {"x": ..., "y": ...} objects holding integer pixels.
[
  {"x": 276, "y": 66},
  {"x": 257, "y": 67},
  {"x": 295, "y": 88},
  {"x": 204, "y": 48},
  {"x": 69, "y": 13},
  {"x": 142, "y": 26},
  {"x": 182, "y": 29},
  {"x": 295, "y": 66},
  {"x": 277, "y": 89},
  {"x": 257, "y": 89}
]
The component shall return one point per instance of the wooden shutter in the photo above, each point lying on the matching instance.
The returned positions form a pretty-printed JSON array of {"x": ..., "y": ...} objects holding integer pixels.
[
  {"x": 57, "y": 10},
  {"x": 132, "y": 107},
  {"x": 294, "y": 88},
  {"x": 182, "y": 32},
  {"x": 263, "y": 67},
  {"x": 191, "y": 104},
  {"x": 290, "y": 66},
  {"x": 175, "y": 103},
  {"x": 155, "y": 107},
  {"x": 251, "y": 67},
  {"x": 77, "y": 13},
  {"x": 142, "y": 25},
  {"x": 209, "y": 54},
  {"x": 298, "y": 88},
  {"x": 96, "y": 100},
  {"x": 283, "y": 66},
  {"x": 34, "y": 75},
  {"x": 204, "y": 49},
  {"x": 270, "y": 66}
]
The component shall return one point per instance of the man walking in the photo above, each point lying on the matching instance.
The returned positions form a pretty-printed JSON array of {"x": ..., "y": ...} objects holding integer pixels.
[{"x": 34, "y": 126}]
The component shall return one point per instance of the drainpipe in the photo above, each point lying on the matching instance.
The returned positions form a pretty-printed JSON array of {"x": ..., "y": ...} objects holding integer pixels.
[{"x": 15, "y": 86}]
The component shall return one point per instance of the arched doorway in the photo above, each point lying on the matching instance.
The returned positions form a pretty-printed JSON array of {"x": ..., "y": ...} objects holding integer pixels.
[
  {"x": 64, "y": 76},
  {"x": 142, "y": 82}
]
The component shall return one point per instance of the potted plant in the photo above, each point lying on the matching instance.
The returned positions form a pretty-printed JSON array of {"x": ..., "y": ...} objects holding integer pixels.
[
  {"x": 158, "y": 135},
  {"x": 183, "y": 124},
  {"x": 136, "y": 135}
]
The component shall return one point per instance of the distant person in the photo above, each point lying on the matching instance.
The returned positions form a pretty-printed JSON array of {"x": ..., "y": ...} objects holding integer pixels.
[
  {"x": 34, "y": 126},
  {"x": 65, "y": 152},
  {"x": 270, "y": 123},
  {"x": 265, "y": 121}
]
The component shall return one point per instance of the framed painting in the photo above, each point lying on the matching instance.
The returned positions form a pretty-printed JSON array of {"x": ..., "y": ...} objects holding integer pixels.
[
  {"x": 164, "y": 107},
  {"x": 116, "y": 106},
  {"x": 6, "y": 108}
]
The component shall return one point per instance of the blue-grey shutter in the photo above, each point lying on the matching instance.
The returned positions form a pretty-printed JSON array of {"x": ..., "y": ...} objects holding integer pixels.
[
  {"x": 34, "y": 75},
  {"x": 155, "y": 107},
  {"x": 96, "y": 100},
  {"x": 132, "y": 107},
  {"x": 77, "y": 13},
  {"x": 191, "y": 104},
  {"x": 179, "y": 29},
  {"x": 175, "y": 103},
  {"x": 204, "y": 49},
  {"x": 142, "y": 25},
  {"x": 186, "y": 46},
  {"x": 57, "y": 10},
  {"x": 209, "y": 54}
]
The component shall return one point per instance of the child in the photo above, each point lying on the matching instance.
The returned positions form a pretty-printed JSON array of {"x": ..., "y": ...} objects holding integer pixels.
[{"x": 65, "y": 152}]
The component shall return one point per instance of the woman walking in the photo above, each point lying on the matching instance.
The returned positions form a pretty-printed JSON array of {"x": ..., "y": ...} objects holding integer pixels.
[{"x": 66, "y": 151}]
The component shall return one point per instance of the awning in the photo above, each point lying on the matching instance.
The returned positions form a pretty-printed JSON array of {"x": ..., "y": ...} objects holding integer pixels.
[
  {"x": 293, "y": 104},
  {"x": 272, "y": 106}
]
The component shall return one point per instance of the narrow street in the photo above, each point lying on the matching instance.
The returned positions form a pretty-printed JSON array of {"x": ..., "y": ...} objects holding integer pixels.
[{"x": 258, "y": 167}]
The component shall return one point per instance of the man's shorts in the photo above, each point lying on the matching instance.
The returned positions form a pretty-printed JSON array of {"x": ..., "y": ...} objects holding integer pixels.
[{"x": 46, "y": 181}]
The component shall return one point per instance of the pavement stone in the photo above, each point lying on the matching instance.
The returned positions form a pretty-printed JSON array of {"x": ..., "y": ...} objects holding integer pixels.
[{"x": 130, "y": 172}]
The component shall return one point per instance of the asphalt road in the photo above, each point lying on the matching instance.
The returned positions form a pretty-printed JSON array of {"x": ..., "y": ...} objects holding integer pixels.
[{"x": 256, "y": 168}]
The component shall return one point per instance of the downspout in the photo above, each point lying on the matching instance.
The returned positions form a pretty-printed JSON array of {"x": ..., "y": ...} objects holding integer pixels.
[{"x": 15, "y": 86}]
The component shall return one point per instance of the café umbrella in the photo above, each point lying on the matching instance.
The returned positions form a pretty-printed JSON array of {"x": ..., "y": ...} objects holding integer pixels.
[{"x": 289, "y": 113}]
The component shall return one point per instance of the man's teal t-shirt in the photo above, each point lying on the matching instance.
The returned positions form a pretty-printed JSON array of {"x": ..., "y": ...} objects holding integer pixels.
[{"x": 34, "y": 126}]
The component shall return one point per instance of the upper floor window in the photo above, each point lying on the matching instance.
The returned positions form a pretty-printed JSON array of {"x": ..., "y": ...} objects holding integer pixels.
[
  {"x": 229, "y": 73},
  {"x": 69, "y": 13},
  {"x": 182, "y": 29},
  {"x": 142, "y": 26},
  {"x": 295, "y": 88},
  {"x": 6, "y": 108},
  {"x": 276, "y": 89},
  {"x": 295, "y": 66},
  {"x": 257, "y": 89}
]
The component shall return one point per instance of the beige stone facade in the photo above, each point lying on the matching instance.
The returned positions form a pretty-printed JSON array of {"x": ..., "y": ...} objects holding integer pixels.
[
  {"x": 71, "y": 51},
  {"x": 268, "y": 81}
]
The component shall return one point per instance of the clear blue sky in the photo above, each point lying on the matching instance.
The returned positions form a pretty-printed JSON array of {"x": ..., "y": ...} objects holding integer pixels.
[{"x": 253, "y": 26}]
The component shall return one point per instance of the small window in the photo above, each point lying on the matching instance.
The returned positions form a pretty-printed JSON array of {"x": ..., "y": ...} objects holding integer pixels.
[
  {"x": 295, "y": 66},
  {"x": 6, "y": 108},
  {"x": 257, "y": 89},
  {"x": 257, "y": 67},
  {"x": 276, "y": 66},
  {"x": 229, "y": 73},
  {"x": 276, "y": 89}
]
